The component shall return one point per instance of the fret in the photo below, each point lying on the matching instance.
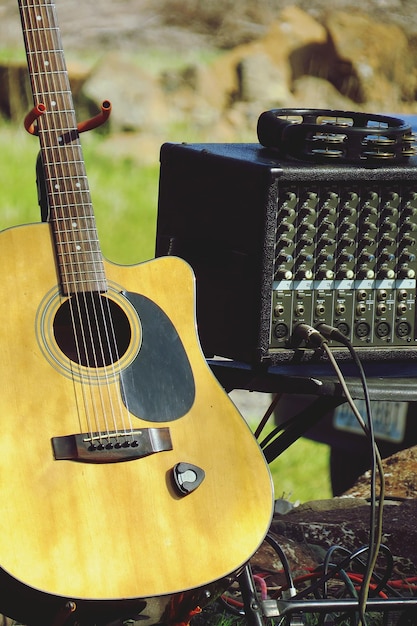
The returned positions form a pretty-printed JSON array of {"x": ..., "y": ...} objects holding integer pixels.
[
  {"x": 81, "y": 278},
  {"x": 72, "y": 218},
  {"x": 32, "y": 54},
  {"x": 70, "y": 211},
  {"x": 67, "y": 231},
  {"x": 46, "y": 73},
  {"x": 81, "y": 246},
  {"x": 41, "y": 93},
  {"x": 74, "y": 256},
  {"x": 71, "y": 230}
]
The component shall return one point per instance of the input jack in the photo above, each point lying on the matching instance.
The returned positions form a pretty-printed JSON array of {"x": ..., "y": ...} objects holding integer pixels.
[
  {"x": 361, "y": 295},
  {"x": 382, "y": 295},
  {"x": 278, "y": 310}
]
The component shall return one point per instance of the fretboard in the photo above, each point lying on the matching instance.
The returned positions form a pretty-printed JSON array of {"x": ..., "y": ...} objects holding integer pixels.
[{"x": 70, "y": 209}]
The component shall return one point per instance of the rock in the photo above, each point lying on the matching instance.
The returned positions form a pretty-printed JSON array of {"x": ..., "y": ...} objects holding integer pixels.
[
  {"x": 260, "y": 80},
  {"x": 315, "y": 92},
  {"x": 370, "y": 59},
  {"x": 306, "y": 532},
  {"x": 136, "y": 97},
  {"x": 400, "y": 472}
]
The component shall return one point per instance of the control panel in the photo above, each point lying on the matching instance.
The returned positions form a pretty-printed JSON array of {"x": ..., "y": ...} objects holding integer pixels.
[{"x": 345, "y": 255}]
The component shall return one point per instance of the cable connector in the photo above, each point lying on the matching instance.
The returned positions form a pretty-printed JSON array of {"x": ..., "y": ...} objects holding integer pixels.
[
  {"x": 332, "y": 333},
  {"x": 309, "y": 335}
]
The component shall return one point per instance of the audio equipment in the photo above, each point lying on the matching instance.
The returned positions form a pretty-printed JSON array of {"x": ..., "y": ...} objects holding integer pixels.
[{"x": 319, "y": 226}]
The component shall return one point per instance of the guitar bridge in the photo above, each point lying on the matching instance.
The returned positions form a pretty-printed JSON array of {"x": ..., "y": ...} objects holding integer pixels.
[{"x": 112, "y": 446}]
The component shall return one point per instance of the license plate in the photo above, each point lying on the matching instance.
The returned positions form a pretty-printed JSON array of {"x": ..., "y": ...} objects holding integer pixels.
[{"x": 389, "y": 419}]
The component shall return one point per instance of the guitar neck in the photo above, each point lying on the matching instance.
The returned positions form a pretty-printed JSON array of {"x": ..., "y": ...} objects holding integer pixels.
[{"x": 70, "y": 209}]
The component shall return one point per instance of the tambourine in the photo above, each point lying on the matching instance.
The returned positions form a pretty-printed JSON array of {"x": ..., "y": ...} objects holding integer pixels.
[{"x": 329, "y": 135}]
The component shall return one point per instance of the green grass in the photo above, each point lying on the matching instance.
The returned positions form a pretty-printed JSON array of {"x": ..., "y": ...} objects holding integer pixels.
[
  {"x": 124, "y": 195},
  {"x": 301, "y": 473},
  {"x": 125, "y": 201}
]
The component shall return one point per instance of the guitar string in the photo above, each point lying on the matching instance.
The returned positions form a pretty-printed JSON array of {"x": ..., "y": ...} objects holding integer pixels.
[
  {"x": 37, "y": 51},
  {"x": 103, "y": 301},
  {"x": 84, "y": 296},
  {"x": 86, "y": 300},
  {"x": 103, "y": 311}
]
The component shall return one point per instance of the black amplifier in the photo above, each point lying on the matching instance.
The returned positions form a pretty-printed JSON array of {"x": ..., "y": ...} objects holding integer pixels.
[{"x": 278, "y": 241}]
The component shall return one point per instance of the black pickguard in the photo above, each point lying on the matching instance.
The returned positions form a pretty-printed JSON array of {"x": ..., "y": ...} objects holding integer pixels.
[{"x": 159, "y": 385}]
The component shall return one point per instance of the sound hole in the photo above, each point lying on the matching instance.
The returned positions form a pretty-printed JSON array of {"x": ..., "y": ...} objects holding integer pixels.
[{"x": 92, "y": 330}]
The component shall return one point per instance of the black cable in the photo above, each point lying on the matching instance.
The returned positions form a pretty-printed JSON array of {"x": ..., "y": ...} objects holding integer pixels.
[
  {"x": 317, "y": 339},
  {"x": 282, "y": 557},
  {"x": 266, "y": 416},
  {"x": 375, "y": 530}
]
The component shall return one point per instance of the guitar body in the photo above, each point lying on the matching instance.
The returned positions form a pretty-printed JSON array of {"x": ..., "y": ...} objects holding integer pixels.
[{"x": 117, "y": 528}]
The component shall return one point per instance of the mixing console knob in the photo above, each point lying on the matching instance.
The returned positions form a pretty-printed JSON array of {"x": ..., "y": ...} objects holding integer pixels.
[
  {"x": 305, "y": 240},
  {"x": 305, "y": 257},
  {"x": 369, "y": 210},
  {"x": 284, "y": 242},
  {"x": 387, "y": 225},
  {"x": 324, "y": 257},
  {"x": 367, "y": 241},
  {"x": 386, "y": 256},
  {"x": 366, "y": 257},
  {"x": 407, "y": 272},
  {"x": 311, "y": 199},
  {"x": 409, "y": 210},
  {"x": 286, "y": 211},
  {"x": 352, "y": 201},
  {"x": 347, "y": 241},
  {"x": 408, "y": 241},
  {"x": 325, "y": 274},
  {"x": 365, "y": 272},
  {"x": 347, "y": 211},
  {"x": 329, "y": 205},
  {"x": 347, "y": 227},
  {"x": 345, "y": 257},
  {"x": 284, "y": 258},
  {"x": 392, "y": 201},
  {"x": 325, "y": 240},
  {"x": 385, "y": 272},
  {"x": 283, "y": 274},
  {"x": 343, "y": 272},
  {"x": 290, "y": 201},
  {"x": 368, "y": 227},
  {"x": 373, "y": 200},
  {"x": 306, "y": 227},
  {"x": 387, "y": 241},
  {"x": 285, "y": 227},
  {"x": 307, "y": 211},
  {"x": 390, "y": 210},
  {"x": 407, "y": 257},
  {"x": 408, "y": 227},
  {"x": 304, "y": 274},
  {"x": 326, "y": 226}
]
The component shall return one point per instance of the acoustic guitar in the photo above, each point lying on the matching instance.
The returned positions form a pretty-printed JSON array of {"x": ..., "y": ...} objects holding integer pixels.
[{"x": 127, "y": 473}]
